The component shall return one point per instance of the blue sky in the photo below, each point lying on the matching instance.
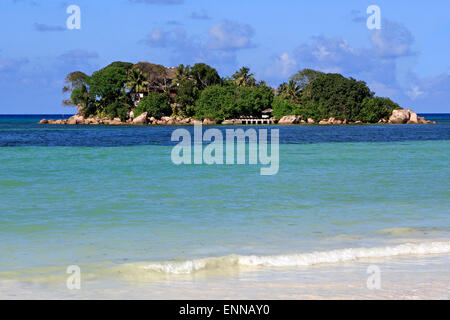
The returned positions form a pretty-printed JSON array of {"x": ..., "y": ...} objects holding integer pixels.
[{"x": 407, "y": 60}]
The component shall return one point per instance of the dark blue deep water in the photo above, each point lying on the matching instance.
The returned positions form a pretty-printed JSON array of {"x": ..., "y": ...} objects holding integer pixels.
[{"x": 23, "y": 130}]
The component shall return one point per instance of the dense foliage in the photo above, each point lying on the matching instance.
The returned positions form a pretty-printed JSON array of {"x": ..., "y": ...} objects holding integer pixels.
[
  {"x": 225, "y": 102},
  {"x": 253, "y": 100},
  {"x": 282, "y": 107},
  {"x": 76, "y": 83},
  {"x": 305, "y": 77},
  {"x": 216, "y": 102},
  {"x": 204, "y": 76},
  {"x": 376, "y": 108},
  {"x": 332, "y": 95},
  {"x": 187, "y": 94},
  {"x": 155, "y": 104},
  {"x": 201, "y": 93}
]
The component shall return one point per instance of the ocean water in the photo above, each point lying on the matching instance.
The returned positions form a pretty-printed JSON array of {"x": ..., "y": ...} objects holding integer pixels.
[{"x": 110, "y": 200}]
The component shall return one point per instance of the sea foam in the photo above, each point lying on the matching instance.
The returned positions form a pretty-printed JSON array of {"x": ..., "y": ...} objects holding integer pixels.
[{"x": 298, "y": 260}]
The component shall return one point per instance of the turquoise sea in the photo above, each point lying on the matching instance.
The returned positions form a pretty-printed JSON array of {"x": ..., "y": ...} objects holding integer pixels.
[{"x": 110, "y": 200}]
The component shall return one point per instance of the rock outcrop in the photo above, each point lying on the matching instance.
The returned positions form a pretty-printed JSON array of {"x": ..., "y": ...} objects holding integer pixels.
[
  {"x": 141, "y": 119},
  {"x": 413, "y": 118},
  {"x": 400, "y": 116},
  {"x": 228, "y": 122},
  {"x": 184, "y": 121},
  {"x": 290, "y": 120},
  {"x": 209, "y": 121},
  {"x": 76, "y": 119},
  {"x": 333, "y": 121},
  {"x": 406, "y": 116},
  {"x": 93, "y": 121}
]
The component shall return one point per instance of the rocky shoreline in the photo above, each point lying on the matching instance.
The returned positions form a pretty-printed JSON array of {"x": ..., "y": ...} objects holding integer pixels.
[
  {"x": 140, "y": 120},
  {"x": 403, "y": 116}
]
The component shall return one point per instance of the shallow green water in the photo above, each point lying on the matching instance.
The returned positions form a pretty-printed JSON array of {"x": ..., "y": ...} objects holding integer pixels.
[{"x": 79, "y": 205}]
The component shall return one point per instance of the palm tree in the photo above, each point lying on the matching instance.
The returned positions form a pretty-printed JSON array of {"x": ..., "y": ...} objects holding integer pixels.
[
  {"x": 243, "y": 78},
  {"x": 262, "y": 83},
  {"x": 183, "y": 73},
  {"x": 290, "y": 90},
  {"x": 137, "y": 83}
]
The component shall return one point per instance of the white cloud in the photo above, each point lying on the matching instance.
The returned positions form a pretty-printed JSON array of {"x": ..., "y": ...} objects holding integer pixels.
[
  {"x": 377, "y": 65},
  {"x": 228, "y": 35},
  {"x": 414, "y": 92},
  {"x": 158, "y": 38},
  {"x": 220, "y": 49},
  {"x": 282, "y": 67},
  {"x": 332, "y": 55},
  {"x": 393, "y": 40},
  {"x": 10, "y": 66}
]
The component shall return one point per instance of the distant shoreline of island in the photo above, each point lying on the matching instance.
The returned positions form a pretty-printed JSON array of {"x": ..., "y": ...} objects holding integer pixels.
[
  {"x": 151, "y": 94},
  {"x": 38, "y": 116},
  {"x": 406, "y": 117}
]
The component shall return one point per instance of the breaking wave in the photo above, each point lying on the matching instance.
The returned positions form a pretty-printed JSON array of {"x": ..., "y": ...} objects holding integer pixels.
[{"x": 297, "y": 260}]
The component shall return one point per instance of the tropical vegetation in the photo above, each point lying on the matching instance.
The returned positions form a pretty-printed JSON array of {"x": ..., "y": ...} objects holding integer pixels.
[{"x": 198, "y": 91}]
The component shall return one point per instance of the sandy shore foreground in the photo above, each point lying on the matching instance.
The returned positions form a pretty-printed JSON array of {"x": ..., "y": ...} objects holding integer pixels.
[{"x": 423, "y": 277}]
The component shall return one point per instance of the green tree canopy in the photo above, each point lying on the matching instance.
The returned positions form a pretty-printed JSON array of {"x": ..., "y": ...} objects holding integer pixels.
[
  {"x": 332, "y": 95},
  {"x": 108, "y": 84},
  {"x": 117, "y": 109},
  {"x": 201, "y": 92},
  {"x": 225, "y": 102},
  {"x": 183, "y": 73},
  {"x": 136, "y": 81},
  {"x": 216, "y": 102},
  {"x": 121, "y": 64},
  {"x": 243, "y": 78},
  {"x": 305, "y": 77},
  {"x": 374, "y": 109},
  {"x": 283, "y": 107},
  {"x": 251, "y": 101},
  {"x": 290, "y": 91},
  {"x": 187, "y": 93},
  {"x": 204, "y": 75},
  {"x": 76, "y": 85},
  {"x": 155, "y": 104},
  {"x": 74, "y": 80},
  {"x": 81, "y": 98},
  {"x": 156, "y": 75}
]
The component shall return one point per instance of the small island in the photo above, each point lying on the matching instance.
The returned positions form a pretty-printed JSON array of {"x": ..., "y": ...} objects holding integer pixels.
[{"x": 123, "y": 93}]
